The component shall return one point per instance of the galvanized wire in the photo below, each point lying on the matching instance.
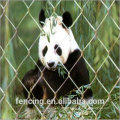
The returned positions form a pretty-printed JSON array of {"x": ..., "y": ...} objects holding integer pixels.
[{"x": 28, "y": 50}]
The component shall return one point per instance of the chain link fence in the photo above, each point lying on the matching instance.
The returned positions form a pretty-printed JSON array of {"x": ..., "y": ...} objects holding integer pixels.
[{"x": 96, "y": 28}]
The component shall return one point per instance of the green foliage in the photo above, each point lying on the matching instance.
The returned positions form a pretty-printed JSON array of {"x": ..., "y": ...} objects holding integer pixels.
[
  {"x": 98, "y": 47},
  {"x": 61, "y": 70}
]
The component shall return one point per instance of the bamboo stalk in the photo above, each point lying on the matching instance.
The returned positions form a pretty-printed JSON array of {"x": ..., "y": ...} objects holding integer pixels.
[{"x": 6, "y": 110}]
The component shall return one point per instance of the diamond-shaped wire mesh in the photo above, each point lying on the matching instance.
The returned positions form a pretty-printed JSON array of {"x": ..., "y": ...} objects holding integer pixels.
[{"x": 96, "y": 28}]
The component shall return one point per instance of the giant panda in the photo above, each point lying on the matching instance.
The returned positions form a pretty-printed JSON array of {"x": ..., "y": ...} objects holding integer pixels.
[{"x": 56, "y": 46}]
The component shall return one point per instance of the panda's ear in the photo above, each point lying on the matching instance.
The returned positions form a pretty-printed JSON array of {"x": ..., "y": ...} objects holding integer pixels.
[
  {"x": 42, "y": 17},
  {"x": 67, "y": 19}
]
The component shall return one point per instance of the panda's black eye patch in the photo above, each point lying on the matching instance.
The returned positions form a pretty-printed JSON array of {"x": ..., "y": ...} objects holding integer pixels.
[
  {"x": 44, "y": 50},
  {"x": 56, "y": 46},
  {"x": 58, "y": 50}
]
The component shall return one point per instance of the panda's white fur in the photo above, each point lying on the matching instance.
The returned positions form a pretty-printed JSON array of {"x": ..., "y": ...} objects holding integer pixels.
[{"x": 58, "y": 35}]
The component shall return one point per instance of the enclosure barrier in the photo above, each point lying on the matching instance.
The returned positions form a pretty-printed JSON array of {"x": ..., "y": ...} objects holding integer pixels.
[{"x": 4, "y": 12}]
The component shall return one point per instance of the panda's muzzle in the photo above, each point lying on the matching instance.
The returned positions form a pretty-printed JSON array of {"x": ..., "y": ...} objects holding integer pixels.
[{"x": 51, "y": 64}]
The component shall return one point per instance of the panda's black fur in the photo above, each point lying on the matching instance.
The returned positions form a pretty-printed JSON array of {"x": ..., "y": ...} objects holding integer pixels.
[{"x": 79, "y": 74}]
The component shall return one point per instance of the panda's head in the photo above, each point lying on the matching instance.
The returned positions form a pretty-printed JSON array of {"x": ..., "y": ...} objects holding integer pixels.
[{"x": 56, "y": 40}]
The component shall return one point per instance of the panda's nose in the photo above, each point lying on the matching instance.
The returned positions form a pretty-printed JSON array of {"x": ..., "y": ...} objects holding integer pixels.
[{"x": 51, "y": 64}]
